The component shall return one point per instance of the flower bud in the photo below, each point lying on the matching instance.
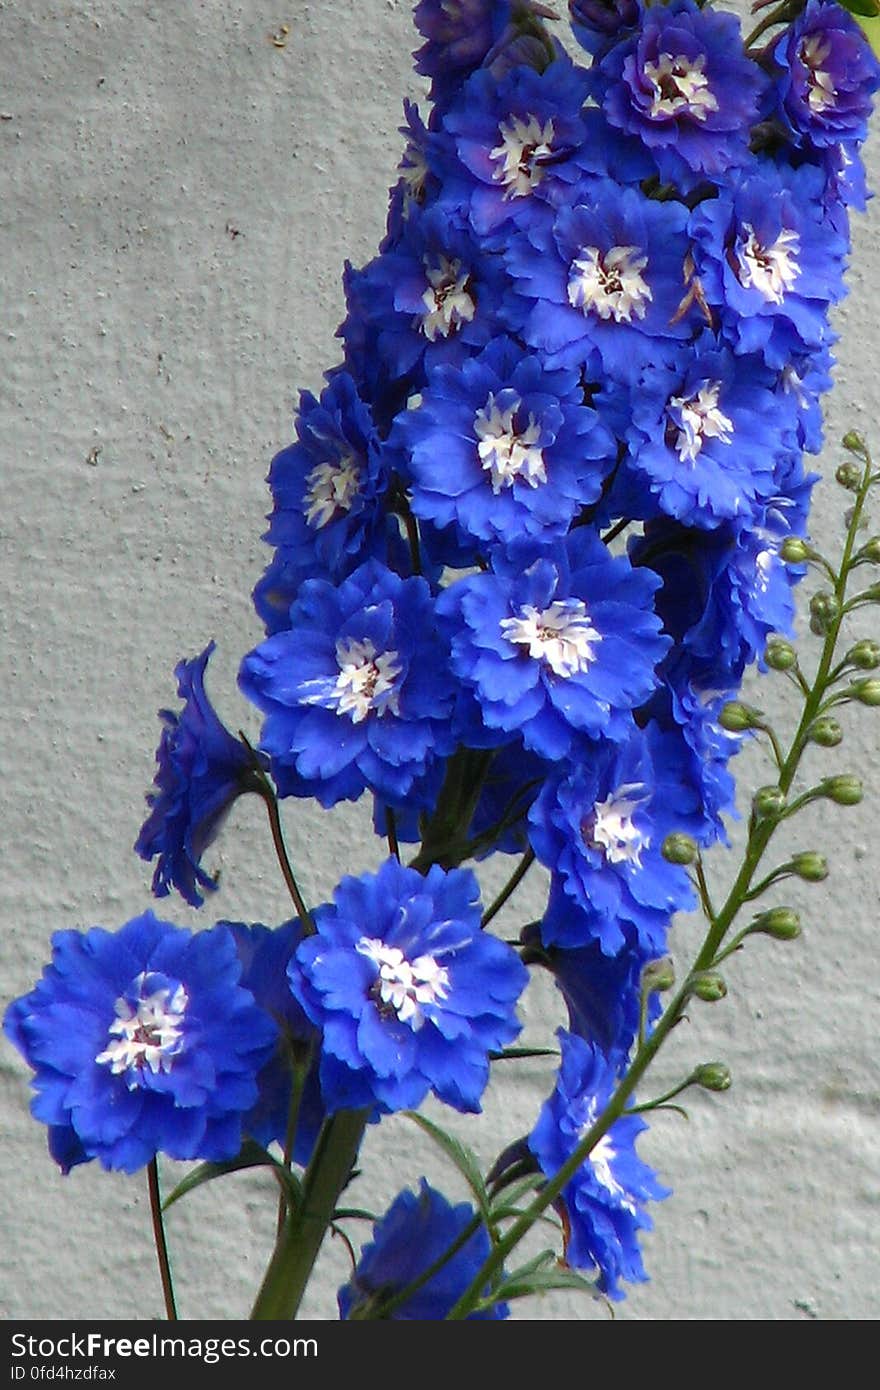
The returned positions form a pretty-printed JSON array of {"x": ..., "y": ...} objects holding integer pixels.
[
  {"x": 810, "y": 866},
  {"x": 867, "y": 691},
  {"x": 865, "y": 655},
  {"x": 736, "y": 717},
  {"x": 794, "y": 550},
  {"x": 849, "y": 475},
  {"x": 824, "y": 610},
  {"x": 779, "y": 654},
  {"x": 679, "y": 848},
  {"x": 782, "y": 923},
  {"x": 768, "y": 802},
  {"x": 708, "y": 986},
  {"x": 870, "y": 551},
  {"x": 853, "y": 441},
  {"x": 658, "y": 975},
  {"x": 845, "y": 789},
  {"x": 826, "y": 731},
  {"x": 713, "y": 1076}
]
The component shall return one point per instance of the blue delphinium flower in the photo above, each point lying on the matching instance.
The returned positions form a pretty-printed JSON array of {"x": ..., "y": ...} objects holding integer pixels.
[
  {"x": 504, "y": 449},
  {"x": 826, "y": 76},
  {"x": 554, "y": 646},
  {"x": 597, "y": 24},
  {"x": 602, "y": 1207},
  {"x": 201, "y": 771},
  {"x": 356, "y": 693},
  {"x": 683, "y": 85},
  {"x": 410, "y": 994},
  {"x": 142, "y": 1042},
  {"x": 413, "y": 1235}
]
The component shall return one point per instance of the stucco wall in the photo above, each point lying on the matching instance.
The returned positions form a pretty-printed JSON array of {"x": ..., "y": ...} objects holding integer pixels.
[{"x": 178, "y": 197}]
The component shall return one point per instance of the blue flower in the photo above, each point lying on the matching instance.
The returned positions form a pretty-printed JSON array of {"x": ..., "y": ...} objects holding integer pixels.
[
  {"x": 826, "y": 76},
  {"x": 602, "y": 1207},
  {"x": 683, "y": 85},
  {"x": 142, "y": 1041},
  {"x": 598, "y": 24},
  {"x": 356, "y": 692},
  {"x": 461, "y": 35},
  {"x": 555, "y": 646},
  {"x": 503, "y": 448},
  {"x": 201, "y": 771},
  {"x": 412, "y": 1236},
  {"x": 411, "y": 995}
]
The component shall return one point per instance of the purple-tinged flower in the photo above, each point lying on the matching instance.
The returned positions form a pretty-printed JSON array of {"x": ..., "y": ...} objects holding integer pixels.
[
  {"x": 201, "y": 770},
  {"x": 504, "y": 449},
  {"x": 770, "y": 261},
  {"x": 605, "y": 279},
  {"x": 461, "y": 35},
  {"x": 410, "y": 994},
  {"x": 826, "y": 76},
  {"x": 706, "y": 434},
  {"x": 602, "y": 1206},
  {"x": 142, "y": 1041},
  {"x": 411, "y": 1237},
  {"x": 683, "y": 85},
  {"x": 357, "y": 692},
  {"x": 555, "y": 645},
  {"x": 265, "y": 955},
  {"x": 599, "y": 824},
  {"x": 418, "y": 183},
  {"x": 597, "y": 24}
]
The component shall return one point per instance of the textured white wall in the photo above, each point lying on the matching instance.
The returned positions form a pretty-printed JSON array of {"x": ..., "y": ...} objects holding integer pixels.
[{"x": 178, "y": 198}]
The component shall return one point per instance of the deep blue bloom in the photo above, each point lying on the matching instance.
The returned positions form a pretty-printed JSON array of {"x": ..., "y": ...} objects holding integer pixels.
[
  {"x": 265, "y": 955},
  {"x": 556, "y": 645},
  {"x": 826, "y": 76},
  {"x": 503, "y": 448},
  {"x": 356, "y": 693},
  {"x": 411, "y": 995},
  {"x": 604, "y": 280},
  {"x": 603, "y": 1205},
  {"x": 412, "y": 1235},
  {"x": 142, "y": 1041},
  {"x": 201, "y": 770},
  {"x": 599, "y": 823},
  {"x": 683, "y": 85},
  {"x": 461, "y": 35},
  {"x": 597, "y": 24}
]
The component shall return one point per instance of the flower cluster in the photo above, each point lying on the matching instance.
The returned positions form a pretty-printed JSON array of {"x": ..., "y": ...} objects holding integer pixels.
[{"x": 525, "y": 545}]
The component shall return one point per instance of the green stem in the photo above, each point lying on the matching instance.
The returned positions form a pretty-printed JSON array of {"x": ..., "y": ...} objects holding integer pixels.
[
  {"x": 159, "y": 1238},
  {"x": 271, "y": 803},
  {"x": 510, "y": 886}
]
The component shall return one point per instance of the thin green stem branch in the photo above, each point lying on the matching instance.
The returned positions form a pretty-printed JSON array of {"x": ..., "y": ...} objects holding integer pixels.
[
  {"x": 510, "y": 886},
  {"x": 160, "y": 1241}
]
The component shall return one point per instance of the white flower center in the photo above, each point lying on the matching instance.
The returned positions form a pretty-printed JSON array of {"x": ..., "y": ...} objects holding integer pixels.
[
  {"x": 524, "y": 145},
  {"x": 331, "y": 488},
  {"x": 698, "y": 418},
  {"x": 771, "y": 270},
  {"x": 562, "y": 635},
  {"x": 413, "y": 169},
  {"x": 402, "y": 985},
  {"x": 367, "y": 681},
  {"x": 610, "y": 285},
  {"x": 149, "y": 1033},
  {"x": 505, "y": 453},
  {"x": 600, "y": 1159},
  {"x": 609, "y": 826},
  {"x": 447, "y": 301},
  {"x": 680, "y": 87},
  {"x": 821, "y": 92}
]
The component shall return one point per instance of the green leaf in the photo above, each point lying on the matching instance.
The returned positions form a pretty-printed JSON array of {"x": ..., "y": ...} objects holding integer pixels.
[
  {"x": 464, "y": 1158},
  {"x": 872, "y": 30},
  {"x": 251, "y": 1155},
  {"x": 541, "y": 1275},
  {"x": 863, "y": 8},
  {"x": 512, "y": 1053}
]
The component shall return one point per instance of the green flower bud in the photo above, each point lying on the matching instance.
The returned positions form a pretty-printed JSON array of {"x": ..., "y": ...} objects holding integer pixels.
[
  {"x": 782, "y": 923},
  {"x": 845, "y": 789},
  {"x": 810, "y": 866},
  {"x": 794, "y": 550},
  {"x": 824, "y": 610},
  {"x": 658, "y": 975},
  {"x": 826, "y": 731},
  {"x": 849, "y": 475},
  {"x": 768, "y": 802},
  {"x": 870, "y": 551},
  {"x": 736, "y": 717},
  {"x": 708, "y": 986},
  {"x": 867, "y": 691},
  {"x": 679, "y": 848},
  {"x": 853, "y": 441},
  {"x": 713, "y": 1076},
  {"x": 865, "y": 655},
  {"x": 779, "y": 654}
]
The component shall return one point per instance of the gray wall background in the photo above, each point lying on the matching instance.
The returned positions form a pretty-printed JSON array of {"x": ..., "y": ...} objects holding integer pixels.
[{"x": 179, "y": 195}]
